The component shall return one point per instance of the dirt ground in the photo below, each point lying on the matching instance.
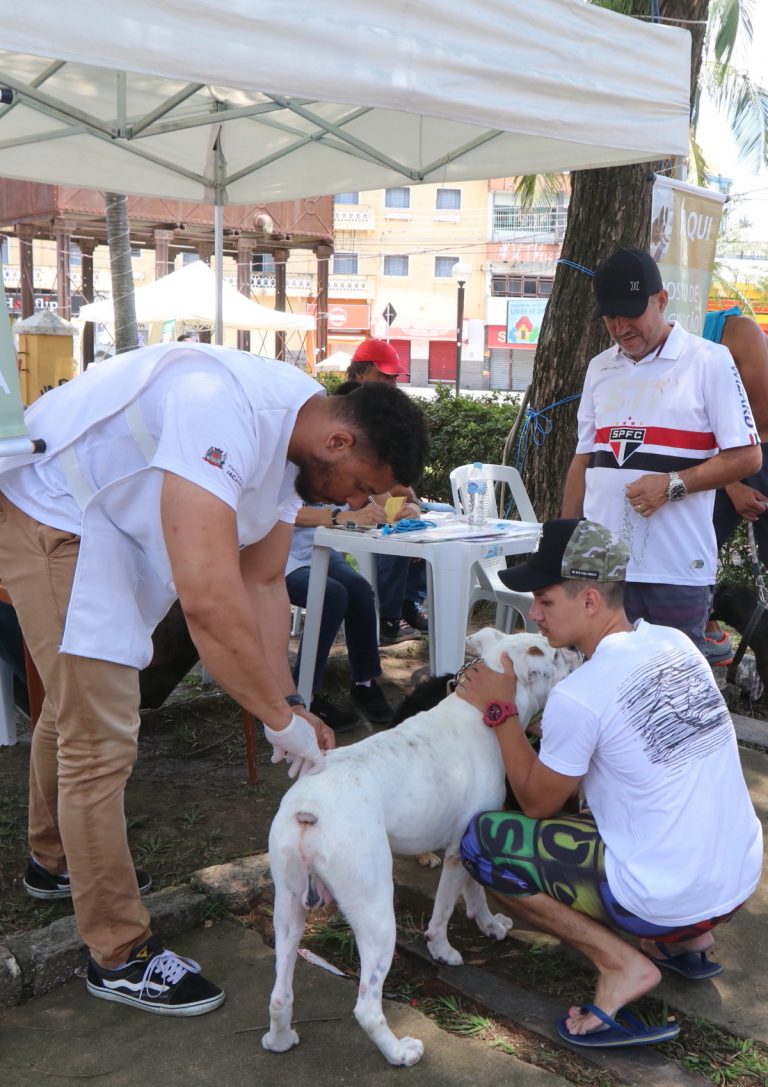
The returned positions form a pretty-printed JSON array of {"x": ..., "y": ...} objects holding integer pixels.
[{"x": 188, "y": 803}]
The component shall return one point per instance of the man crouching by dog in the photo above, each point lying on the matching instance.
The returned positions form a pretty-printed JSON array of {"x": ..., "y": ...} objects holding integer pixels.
[{"x": 642, "y": 727}]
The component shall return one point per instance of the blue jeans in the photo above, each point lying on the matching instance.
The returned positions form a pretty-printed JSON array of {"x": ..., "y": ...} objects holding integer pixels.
[{"x": 349, "y": 600}]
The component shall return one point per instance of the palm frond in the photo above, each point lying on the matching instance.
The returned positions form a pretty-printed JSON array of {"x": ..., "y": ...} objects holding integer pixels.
[
  {"x": 543, "y": 189},
  {"x": 697, "y": 164},
  {"x": 744, "y": 104}
]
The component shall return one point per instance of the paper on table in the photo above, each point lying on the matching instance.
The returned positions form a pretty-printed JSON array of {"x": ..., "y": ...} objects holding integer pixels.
[{"x": 392, "y": 507}]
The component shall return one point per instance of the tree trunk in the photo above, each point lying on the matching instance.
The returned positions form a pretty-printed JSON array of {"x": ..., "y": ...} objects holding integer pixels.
[
  {"x": 118, "y": 239},
  {"x": 609, "y": 208}
]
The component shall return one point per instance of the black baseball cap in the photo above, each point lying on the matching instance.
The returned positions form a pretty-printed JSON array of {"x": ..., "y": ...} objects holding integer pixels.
[
  {"x": 624, "y": 282},
  {"x": 570, "y": 550}
]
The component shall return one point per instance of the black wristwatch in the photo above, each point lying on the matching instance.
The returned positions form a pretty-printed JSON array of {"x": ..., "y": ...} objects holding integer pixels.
[
  {"x": 295, "y": 700},
  {"x": 335, "y": 516}
]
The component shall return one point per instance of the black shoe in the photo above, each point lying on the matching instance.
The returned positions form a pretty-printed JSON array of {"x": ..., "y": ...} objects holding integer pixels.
[
  {"x": 392, "y": 631},
  {"x": 371, "y": 702},
  {"x": 415, "y": 616},
  {"x": 336, "y": 717},
  {"x": 39, "y": 882},
  {"x": 156, "y": 980}
]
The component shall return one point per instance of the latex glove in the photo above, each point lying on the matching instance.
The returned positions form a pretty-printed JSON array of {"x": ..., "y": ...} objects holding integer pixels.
[{"x": 297, "y": 744}]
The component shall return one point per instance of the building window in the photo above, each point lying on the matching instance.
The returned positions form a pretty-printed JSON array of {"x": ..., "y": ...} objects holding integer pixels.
[
  {"x": 517, "y": 286},
  {"x": 397, "y": 198},
  {"x": 345, "y": 264},
  {"x": 347, "y": 198},
  {"x": 3, "y": 249},
  {"x": 444, "y": 267},
  {"x": 75, "y": 255},
  {"x": 448, "y": 200},
  {"x": 396, "y": 265},
  {"x": 263, "y": 264},
  {"x": 135, "y": 254},
  {"x": 188, "y": 257}
]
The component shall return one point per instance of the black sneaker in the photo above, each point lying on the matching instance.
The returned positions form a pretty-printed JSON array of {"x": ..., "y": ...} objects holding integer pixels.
[
  {"x": 415, "y": 615},
  {"x": 392, "y": 631},
  {"x": 156, "y": 980},
  {"x": 371, "y": 702},
  {"x": 335, "y": 716},
  {"x": 40, "y": 883}
]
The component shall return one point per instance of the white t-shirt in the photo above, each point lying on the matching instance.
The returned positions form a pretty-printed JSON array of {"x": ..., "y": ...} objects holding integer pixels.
[
  {"x": 643, "y": 723},
  {"x": 670, "y": 411}
]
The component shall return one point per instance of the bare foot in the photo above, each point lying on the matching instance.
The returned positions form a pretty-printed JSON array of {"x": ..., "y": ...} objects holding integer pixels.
[{"x": 616, "y": 987}]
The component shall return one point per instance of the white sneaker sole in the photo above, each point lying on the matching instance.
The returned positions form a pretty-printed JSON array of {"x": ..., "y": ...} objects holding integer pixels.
[{"x": 178, "y": 1010}]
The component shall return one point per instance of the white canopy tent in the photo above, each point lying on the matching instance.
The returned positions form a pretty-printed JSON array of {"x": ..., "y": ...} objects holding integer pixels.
[
  {"x": 225, "y": 102},
  {"x": 190, "y": 295},
  {"x": 220, "y": 101}
]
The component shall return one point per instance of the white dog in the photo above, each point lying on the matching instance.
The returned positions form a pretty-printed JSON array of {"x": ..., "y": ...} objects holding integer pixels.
[{"x": 408, "y": 790}]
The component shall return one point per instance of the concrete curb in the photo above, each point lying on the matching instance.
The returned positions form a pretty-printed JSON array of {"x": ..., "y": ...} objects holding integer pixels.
[{"x": 35, "y": 962}]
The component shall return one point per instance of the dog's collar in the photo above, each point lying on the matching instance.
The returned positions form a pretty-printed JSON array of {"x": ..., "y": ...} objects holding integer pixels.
[{"x": 453, "y": 683}]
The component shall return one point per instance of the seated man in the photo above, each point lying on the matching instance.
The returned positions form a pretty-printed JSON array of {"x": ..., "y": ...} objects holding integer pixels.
[
  {"x": 349, "y": 600},
  {"x": 642, "y": 726}
]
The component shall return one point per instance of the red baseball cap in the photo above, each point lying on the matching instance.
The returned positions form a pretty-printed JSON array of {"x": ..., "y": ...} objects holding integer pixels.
[{"x": 382, "y": 355}]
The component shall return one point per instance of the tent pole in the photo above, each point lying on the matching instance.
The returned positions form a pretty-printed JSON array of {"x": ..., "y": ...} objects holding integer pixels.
[{"x": 218, "y": 262}]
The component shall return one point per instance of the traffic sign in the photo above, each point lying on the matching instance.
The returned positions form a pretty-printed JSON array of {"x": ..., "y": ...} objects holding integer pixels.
[{"x": 389, "y": 313}]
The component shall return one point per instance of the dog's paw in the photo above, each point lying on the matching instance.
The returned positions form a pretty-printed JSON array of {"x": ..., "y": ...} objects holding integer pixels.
[
  {"x": 496, "y": 926},
  {"x": 441, "y": 951},
  {"x": 408, "y": 1051},
  {"x": 280, "y": 1041},
  {"x": 429, "y": 860}
]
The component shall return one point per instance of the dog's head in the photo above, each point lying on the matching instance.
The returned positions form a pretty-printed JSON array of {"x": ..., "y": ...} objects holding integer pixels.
[{"x": 538, "y": 667}]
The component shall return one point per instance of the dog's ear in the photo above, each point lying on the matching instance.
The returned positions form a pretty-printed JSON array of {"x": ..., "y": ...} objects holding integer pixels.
[{"x": 483, "y": 640}]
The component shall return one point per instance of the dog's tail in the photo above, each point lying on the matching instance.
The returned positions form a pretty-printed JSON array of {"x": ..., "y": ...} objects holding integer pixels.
[{"x": 315, "y": 893}]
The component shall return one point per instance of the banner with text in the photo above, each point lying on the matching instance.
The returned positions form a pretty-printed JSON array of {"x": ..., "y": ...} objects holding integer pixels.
[
  {"x": 685, "y": 221},
  {"x": 524, "y": 317}
]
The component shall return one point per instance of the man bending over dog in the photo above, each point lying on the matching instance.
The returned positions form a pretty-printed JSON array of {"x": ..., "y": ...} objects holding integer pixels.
[{"x": 642, "y": 726}]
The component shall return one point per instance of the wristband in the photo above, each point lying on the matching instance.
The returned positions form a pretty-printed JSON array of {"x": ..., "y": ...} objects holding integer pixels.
[
  {"x": 295, "y": 700},
  {"x": 335, "y": 516},
  {"x": 496, "y": 713}
]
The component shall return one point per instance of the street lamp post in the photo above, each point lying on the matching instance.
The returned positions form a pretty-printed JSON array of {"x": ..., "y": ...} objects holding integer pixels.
[{"x": 460, "y": 273}]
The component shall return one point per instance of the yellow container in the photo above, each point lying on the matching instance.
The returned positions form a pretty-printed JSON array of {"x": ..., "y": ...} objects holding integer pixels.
[{"x": 46, "y": 354}]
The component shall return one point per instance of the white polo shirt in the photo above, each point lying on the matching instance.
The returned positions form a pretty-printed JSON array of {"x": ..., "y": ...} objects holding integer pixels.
[{"x": 672, "y": 410}]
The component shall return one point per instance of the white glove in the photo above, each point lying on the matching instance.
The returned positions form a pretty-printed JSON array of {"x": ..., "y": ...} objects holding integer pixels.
[{"x": 297, "y": 744}]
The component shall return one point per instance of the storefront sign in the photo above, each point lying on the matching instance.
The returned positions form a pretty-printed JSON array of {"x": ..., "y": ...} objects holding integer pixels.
[{"x": 524, "y": 317}]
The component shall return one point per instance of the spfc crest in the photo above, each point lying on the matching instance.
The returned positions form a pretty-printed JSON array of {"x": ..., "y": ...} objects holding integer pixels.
[
  {"x": 216, "y": 457},
  {"x": 624, "y": 440}
]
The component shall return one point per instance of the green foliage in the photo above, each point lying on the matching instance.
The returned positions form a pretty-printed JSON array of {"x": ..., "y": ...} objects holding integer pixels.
[
  {"x": 330, "y": 382},
  {"x": 462, "y": 430},
  {"x": 734, "y": 561}
]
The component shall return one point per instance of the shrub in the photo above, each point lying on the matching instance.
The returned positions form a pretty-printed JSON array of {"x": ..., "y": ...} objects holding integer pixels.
[{"x": 462, "y": 429}]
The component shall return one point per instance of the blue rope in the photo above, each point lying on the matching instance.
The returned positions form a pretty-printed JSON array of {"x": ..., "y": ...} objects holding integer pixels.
[
  {"x": 536, "y": 427},
  {"x": 578, "y": 267}
]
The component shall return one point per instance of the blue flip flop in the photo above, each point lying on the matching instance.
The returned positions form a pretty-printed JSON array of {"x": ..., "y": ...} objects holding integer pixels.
[
  {"x": 632, "y": 1032},
  {"x": 693, "y": 965}
]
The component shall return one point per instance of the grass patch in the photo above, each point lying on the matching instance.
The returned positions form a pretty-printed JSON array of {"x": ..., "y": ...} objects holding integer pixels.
[{"x": 721, "y": 1057}]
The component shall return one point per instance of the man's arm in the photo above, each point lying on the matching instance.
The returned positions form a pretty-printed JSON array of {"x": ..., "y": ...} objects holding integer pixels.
[
  {"x": 749, "y": 346},
  {"x": 541, "y": 792},
  {"x": 725, "y": 467},
  {"x": 575, "y": 486},
  {"x": 201, "y": 537}
]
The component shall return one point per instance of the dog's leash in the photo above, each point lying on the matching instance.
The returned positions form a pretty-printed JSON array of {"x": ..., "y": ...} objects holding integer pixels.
[
  {"x": 760, "y": 607},
  {"x": 453, "y": 683}
]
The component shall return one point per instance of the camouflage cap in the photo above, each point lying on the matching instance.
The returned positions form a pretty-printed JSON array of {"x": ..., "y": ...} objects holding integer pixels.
[{"x": 570, "y": 549}]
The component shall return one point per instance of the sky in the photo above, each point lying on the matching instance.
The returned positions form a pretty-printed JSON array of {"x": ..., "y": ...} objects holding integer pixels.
[{"x": 718, "y": 145}]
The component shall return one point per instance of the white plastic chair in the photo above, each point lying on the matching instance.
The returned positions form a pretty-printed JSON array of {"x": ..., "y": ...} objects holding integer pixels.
[
  {"x": 489, "y": 586},
  {"x": 7, "y": 708}
]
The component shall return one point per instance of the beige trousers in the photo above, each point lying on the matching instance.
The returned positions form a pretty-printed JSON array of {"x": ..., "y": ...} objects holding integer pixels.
[{"x": 83, "y": 746}]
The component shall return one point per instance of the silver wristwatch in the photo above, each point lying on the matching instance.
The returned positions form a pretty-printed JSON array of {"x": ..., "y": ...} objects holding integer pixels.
[{"x": 676, "y": 489}]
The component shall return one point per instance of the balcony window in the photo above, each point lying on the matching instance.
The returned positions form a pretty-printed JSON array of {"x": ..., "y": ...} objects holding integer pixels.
[
  {"x": 396, "y": 265},
  {"x": 517, "y": 286},
  {"x": 189, "y": 257},
  {"x": 75, "y": 255},
  {"x": 3, "y": 250},
  {"x": 448, "y": 199},
  {"x": 263, "y": 264},
  {"x": 347, "y": 198},
  {"x": 397, "y": 198},
  {"x": 444, "y": 267},
  {"x": 344, "y": 264}
]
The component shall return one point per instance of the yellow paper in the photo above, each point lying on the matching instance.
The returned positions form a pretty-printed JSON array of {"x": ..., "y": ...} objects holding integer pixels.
[{"x": 392, "y": 507}]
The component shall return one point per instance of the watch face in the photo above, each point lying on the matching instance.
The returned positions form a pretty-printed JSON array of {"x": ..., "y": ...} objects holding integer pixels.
[{"x": 494, "y": 711}]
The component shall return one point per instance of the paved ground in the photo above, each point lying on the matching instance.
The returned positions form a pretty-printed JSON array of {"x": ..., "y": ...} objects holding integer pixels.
[{"x": 66, "y": 1035}]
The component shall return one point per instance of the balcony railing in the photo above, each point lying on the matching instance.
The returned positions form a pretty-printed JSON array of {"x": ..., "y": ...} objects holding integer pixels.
[
  {"x": 354, "y": 285},
  {"x": 353, "y": 217},
  {"x": 295, "y": 283},
  {"x": 541, "y": 222}
]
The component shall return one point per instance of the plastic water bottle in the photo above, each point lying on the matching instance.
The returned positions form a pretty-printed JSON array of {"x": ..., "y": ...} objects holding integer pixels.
[{"x": 476, "y": 488}]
